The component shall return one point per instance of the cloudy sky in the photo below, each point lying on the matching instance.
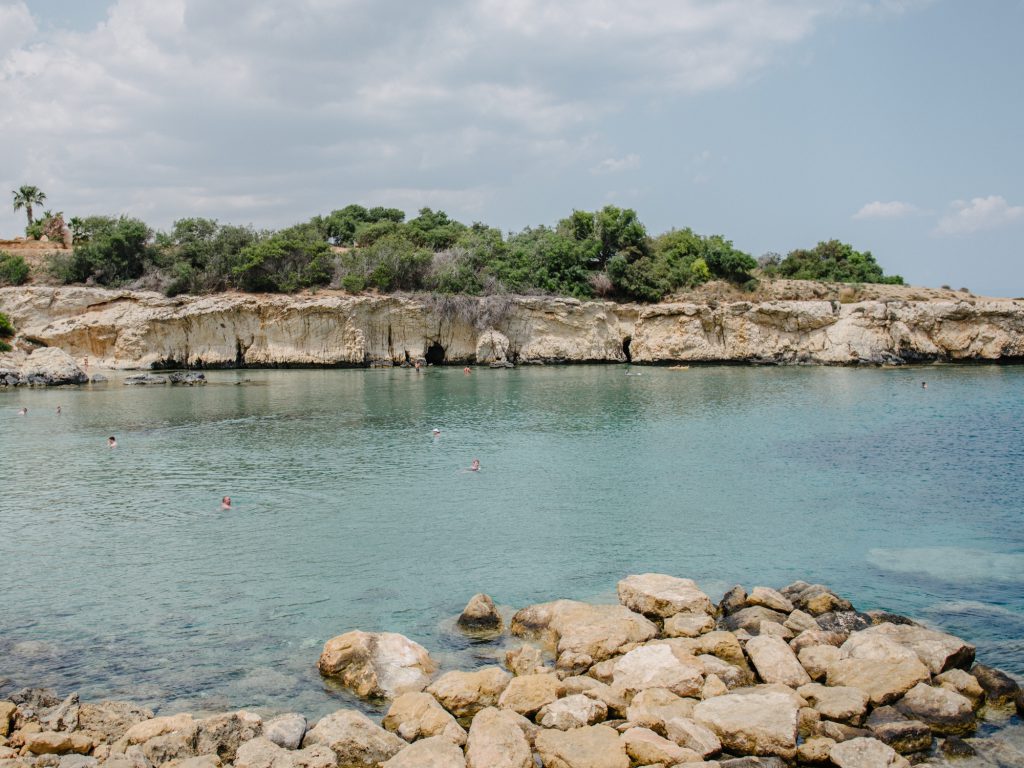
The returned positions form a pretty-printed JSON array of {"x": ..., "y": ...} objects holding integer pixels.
[{"x": 892, "y": 124}]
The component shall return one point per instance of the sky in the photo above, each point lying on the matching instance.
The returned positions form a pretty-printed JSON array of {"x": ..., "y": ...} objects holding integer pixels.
[{"x": 894, "y": 125}]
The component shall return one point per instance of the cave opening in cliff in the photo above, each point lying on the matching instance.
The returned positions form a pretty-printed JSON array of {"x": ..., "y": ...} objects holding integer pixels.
[
  {"x": 435, "y": 354},
  {"x": 625, "y": 348}
]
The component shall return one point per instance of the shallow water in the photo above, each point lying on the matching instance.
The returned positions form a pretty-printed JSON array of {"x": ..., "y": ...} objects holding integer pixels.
[{"x": 121, "y": 577}]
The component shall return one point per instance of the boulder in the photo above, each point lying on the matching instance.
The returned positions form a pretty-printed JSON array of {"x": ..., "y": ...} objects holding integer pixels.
[
  {"x": 817, "y": 658},
  {"x": 528, "y": 693},
  {"x": 416, "y": 716},
  {"x": 889, "y": 725},
  {"x": 72, "y": 760},
  {"x": 866, "y": 753},
  {"x": 50, "y": 366},
  {"x": 354, "y": 738},
  {"x": 953, "y": 746},
  {"x": 58, "y": 743},
  {"x": 573, "y": 711},
  {"x": 770, "y": 598},
  {"x": 644, "y": 746},
  {"x": 1000, "y": 689},
  {"x": 937, "y": 650},
  {"x": 109, "y": 720},
  {"x": 525, "y": 660},
  {"x": 656, "y": 666},
  {"x": 688, "y": 625},
  {"x": 964, "y": 683},
  {"x": 146, "y": 730},
  {"x": 798, "y": 622},
  {"x": 466, "y": 693},
  {"x": 492, "y": 347},
  {"x": 755, "y": 723},
  {"x": 63, "y": 717},
  {"x": 654, "y": 707},
  {"x": 883, "y": 681},
  {"x": 480, "y": 615},
  {"x": 286, "y": 730},
  {"x": 713, "y": 686},
  {"x": 595, "y": 746},
  {"x": 839, "y": 732},
  {"x": 496, "y": 740},
  {"x": 221, "y": 735},
  {"x": 812, "y": 637},
  {"x": 7, "y": 710},
  {"x": 814, "y": 750},
  {"x": 176, "y": 745},
  {"x": 843, "y": 622},
  {"x": 847, "y": 705},
  {"x": 432, "y": 752},
  {"x": 660, "y": 596},
  {"x": 377, "y": 664},
  {"x": 775, "y": 661},
  {"x": 261, "y": 752},
  {"x": 750, "y": 619},
  {"x": 817, "y": 599},
  {"x": 597, "y": 631},
  {"x": 775, "y": 630},
  {"x": 145, "y": 379},
  {"x": 944, "y": 711},
  {"x": 613, "y": 698},
  {"x": 733, "y": 600},
  {"x": 688, "y": 733}
]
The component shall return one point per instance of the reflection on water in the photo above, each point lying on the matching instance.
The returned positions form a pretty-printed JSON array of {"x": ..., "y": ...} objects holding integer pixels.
[{"x": 123, "y": 579}]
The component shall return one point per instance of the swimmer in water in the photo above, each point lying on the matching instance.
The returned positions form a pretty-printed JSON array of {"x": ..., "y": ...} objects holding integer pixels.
[
  {"x": 924, "y": 385},
  {"x": 467, "y": 369},
  {"x": 58, "y": 410},
  {"x": 474, "y": 466},
  {"x": 23, "y": 412},
  {"x": 225, "y": 503},
  {"x": 436, "y": 432},
  {"x": 111, "y": 442}
]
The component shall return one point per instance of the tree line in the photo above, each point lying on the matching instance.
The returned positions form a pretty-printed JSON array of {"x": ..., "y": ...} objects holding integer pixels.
[{"x": 605, "y": 253}]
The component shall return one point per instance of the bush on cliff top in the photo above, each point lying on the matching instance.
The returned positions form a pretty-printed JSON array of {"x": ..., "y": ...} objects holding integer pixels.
[
  {"x": 834, "y": 262},
  {"x": 6, "y": 332},
  {"x": 13, "y": 269}
]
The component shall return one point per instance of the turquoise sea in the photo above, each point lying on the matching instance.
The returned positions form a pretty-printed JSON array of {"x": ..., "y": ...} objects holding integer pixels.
[{"x": 121, "y": 577}]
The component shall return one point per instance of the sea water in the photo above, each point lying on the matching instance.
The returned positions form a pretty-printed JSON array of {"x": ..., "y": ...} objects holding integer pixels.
[{"x": 120, "y": 577}]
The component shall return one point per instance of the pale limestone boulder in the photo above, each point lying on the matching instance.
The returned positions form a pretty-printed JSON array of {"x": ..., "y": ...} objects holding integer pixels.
[
  {"x": 58, "y": 743},
  {"x": 758, "y": 723},
  {"x": 595, "y": 746},
  {"x": 730, "y": 675},
  {"x": 525, "y": 660},
  {"x": 750, "y": 619},
  {"x": 964, "y": 683},
  {"x": 943, "y": 710},
  {"x": 645, "y": 746},
  {"x": 866, "y": 753},
  {"x": 654, "y": 707},
  {"x": 480, "y": 615},
  {"x": 613, "y": 699},
  {"x": 416, "y": 716},
  {"x": 937, "y": 650},
  {"x": 724, "y": 645},
  {"x": 108, "y": 720},
  {"x": 584, "y": 630},
  {"x": 7, "y": 710},
  {"x": 846, "y": 705},
  {"x": 573, "y": 711},
  {"x": 688, "y": 625},
  {"x": 713, "y": 686},
  {"x": 815, "y": 750},
  {"x": 63, "y": 717},
  {"x": 656, "y": 666},
  {"x": 772, "y": 629},
  {"x": 200, "y": 761},
  {"x": 432, "y": 752},
  {"x": 177, "y": 745},
  {"x": 775, "y": 661},
  {"x": 798, "y": 622},
  {"x": 661, "y": 596},
  {"x": 377, "y": 664},
  {"x": 354, "y": 738},
  {"x": 491, "y": 347},
  {"x": 466, "y": 693},
  {"x": 769, "y": 598},
  {"x": 496, "y": 740},
  {"x": 882, "y": 681},
  {"x": 817, "y": 658},
  {"x": 687, "y": 732},
  {"x": 221, "y": 735},
  {"x": 261, "y": 752},
  {"x": 145, "y": 730},
  {"x": 528, "y": 693},
  {"x": 52, "y": 366},
  {"x": 812, "y": 637},
  {"x": 815, "y": 599},
  {"x": 286, "y": 730},
  {"x": 876, "y": 646}
]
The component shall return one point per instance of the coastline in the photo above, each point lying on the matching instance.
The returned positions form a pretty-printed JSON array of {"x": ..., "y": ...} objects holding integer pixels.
[{"x": 795, "y": 675}]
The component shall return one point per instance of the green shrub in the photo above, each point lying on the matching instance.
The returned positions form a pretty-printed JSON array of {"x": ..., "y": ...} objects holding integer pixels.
[
  {"x": 112, "y": 251},
  {"x": 835, "y": 262},
  {"x": 6, "y": 332},
  {"x": 285, "y": 262},
  {"x": 14, "y": 270}
]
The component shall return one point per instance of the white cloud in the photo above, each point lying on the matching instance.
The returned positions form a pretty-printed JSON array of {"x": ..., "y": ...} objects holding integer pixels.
[
  {"x": 978, "y": 214},
  {"x": 16, "y": 26},
  {"x": 617, "y": 164},
  {"x": 893, "y": 209}
]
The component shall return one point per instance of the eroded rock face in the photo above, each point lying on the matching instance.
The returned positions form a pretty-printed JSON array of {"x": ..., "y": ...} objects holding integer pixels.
[
  {"x": 496, "y": 740},
  {"x": 109, "y": 720},
  {"x": 46, "y": 367},
  {"x": 661, "y": 596},
  {"x": 377, "y": 664},
  {"x": 596, "y": 746},
  {"x": 758, "y": 723}
]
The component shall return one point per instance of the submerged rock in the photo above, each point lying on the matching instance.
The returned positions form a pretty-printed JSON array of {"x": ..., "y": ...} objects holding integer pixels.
[
  {"x": 1000, "y": 689},
  {"x": 377, "y": 664},
  {"x": 480, "y": 615}
]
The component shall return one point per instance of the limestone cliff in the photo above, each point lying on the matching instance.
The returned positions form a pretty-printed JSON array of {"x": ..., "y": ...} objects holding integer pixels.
[{"x": 124, "y": 329}]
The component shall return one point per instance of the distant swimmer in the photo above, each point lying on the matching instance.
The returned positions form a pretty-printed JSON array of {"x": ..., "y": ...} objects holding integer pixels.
[
  {"x": 436, "y": 432},
  {"x": 111, "y": 442},
  {"x": 225, "y": 503},
  {"x": 474, "y": 466},
  {"x": 58, "y": 410},
  {"x": 23, "y": 412},
  {"x": 924, "y": 385},
  {"x": 467, "y": 369}
]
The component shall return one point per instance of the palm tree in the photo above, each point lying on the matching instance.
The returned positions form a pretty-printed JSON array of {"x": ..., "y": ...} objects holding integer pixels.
[{"x": 25, "y": 197}]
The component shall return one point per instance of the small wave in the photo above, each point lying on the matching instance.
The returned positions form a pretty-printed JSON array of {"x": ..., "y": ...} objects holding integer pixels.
[{"x": 951, "y": 563}]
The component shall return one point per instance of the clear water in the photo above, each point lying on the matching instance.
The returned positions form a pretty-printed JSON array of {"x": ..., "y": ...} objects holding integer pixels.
[{"x": 120, "y": 577}]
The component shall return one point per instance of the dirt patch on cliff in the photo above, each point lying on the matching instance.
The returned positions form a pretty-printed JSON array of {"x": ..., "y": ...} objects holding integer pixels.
[{"x": 813, "y": 290}]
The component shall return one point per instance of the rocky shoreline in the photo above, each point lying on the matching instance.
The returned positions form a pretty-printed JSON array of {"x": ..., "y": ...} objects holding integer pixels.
[
  {"x": 123, "y": 329},
  {"x": 764, "y": 679}
]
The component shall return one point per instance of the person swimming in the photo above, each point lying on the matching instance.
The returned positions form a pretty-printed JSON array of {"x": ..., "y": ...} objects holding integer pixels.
[
  {"x": 58, "y": 410},
  {"x": 924, "y": 385},
  {"x": 436, "y": 432},
  {"x": 225, "y": 503},
  {"x": 111, "y": 442},
  {"x": 23, "y": 412},
  {"x": 467, "y": 369},
  {"x": 474, "y": 466}
]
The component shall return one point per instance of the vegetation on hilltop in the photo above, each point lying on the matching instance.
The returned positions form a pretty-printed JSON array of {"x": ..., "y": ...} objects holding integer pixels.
[
  {"x": 606, "y": 253},
  {"x": 14, "y": 270}
]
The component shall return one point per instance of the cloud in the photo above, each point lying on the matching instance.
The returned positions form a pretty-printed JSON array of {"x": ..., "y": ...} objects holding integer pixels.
[
  {"x": 891, "y": 210},
  {"x": 16, "y": 26},
  {"x": 617, "y": 164},
  {"x": 980, "y": 213}
]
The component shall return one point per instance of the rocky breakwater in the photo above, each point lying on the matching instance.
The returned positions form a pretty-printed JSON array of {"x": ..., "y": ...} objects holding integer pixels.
[
  {"x": 126, "y": 329},
  {"x": 764, "y": 679}
]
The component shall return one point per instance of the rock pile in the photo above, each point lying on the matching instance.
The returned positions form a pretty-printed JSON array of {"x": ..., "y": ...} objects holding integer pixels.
[
  {"x": 44, "y": 367},
  {"x": 771, "y": 678}
]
